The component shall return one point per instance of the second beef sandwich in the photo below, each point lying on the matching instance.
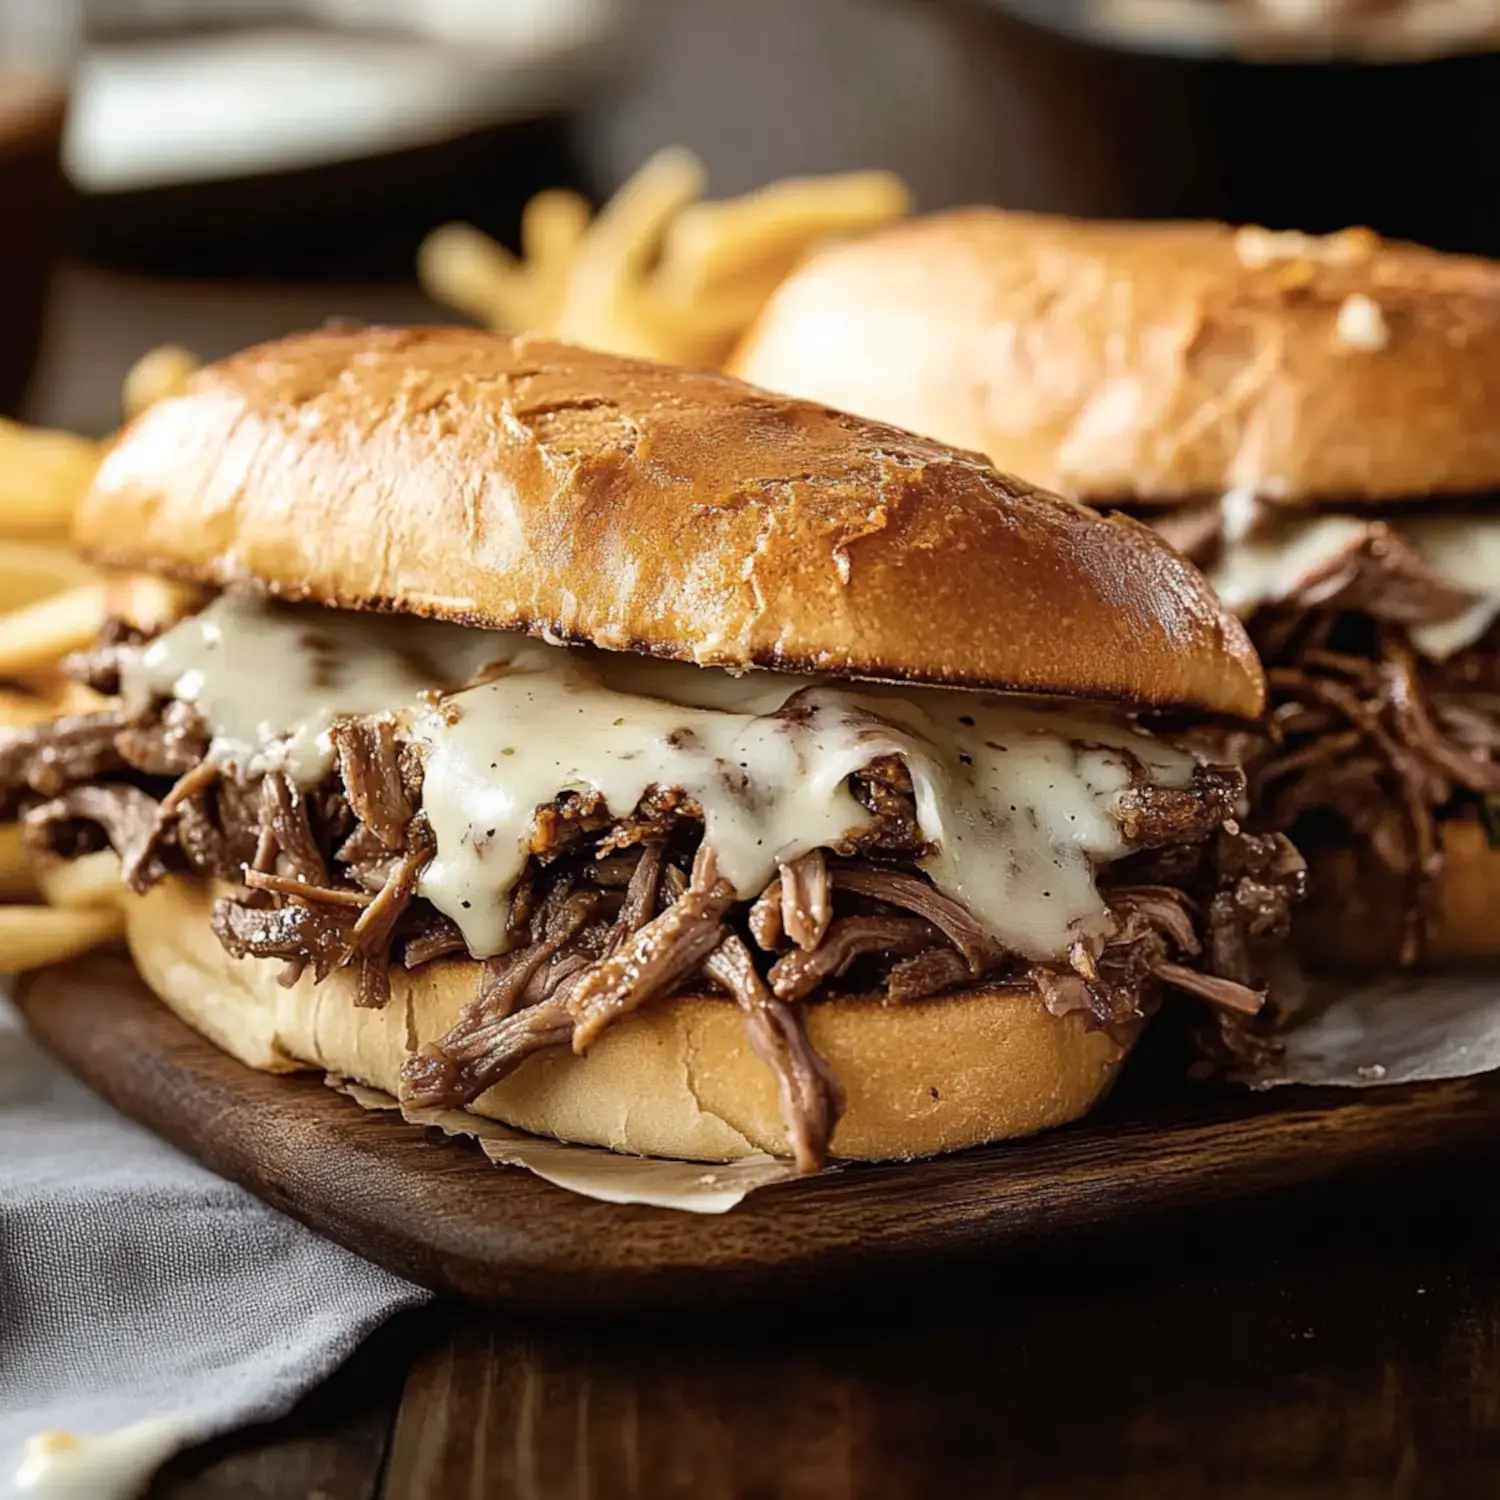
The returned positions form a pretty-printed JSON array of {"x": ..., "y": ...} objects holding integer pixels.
[
  {"x": 1316, "y": 421},
  {"x": 645, "y": 760}
]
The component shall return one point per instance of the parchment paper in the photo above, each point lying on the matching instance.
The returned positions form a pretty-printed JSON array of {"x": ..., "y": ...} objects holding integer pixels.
[
  {"x": 692, "y": 1187},
  {"x": 1400, "y": 1030}
]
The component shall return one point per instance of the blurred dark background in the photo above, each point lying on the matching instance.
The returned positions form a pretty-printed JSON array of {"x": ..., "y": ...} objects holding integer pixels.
[{"x": 968, "y": 102}]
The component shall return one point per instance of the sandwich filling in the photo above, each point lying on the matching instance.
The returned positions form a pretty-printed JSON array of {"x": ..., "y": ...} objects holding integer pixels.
[
  {"x": 602, "y": 829},
  {"x": 1381, "y": 644}
]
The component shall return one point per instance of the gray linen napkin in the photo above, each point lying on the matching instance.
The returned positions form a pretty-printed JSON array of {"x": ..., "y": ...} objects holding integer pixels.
[{"x": 136, "y": 1284}]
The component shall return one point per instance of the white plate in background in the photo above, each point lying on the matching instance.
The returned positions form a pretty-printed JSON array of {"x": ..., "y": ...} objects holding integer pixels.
[
  {"x": 288, "y": 89},
  {"x": 1276, "y": 30}
]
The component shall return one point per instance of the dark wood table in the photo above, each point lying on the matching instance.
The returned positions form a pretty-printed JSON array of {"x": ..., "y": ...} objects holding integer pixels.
[
  {"x": 1346, "y": 1346},
  {"x": 1337, "y": 1344}
]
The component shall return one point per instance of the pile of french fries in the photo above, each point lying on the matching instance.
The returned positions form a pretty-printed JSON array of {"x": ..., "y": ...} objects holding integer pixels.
[
  {"x": 55, "y": 603},
  {"x": 657, "y": 273}
]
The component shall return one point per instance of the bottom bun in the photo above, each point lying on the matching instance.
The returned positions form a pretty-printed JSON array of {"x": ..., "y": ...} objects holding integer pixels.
[
  {"x": 675, "y": 1079},
  {"x": 1353, "y": 918}
]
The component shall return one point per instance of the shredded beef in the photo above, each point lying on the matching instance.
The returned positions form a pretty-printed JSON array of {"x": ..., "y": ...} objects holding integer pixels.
[
  {"x": 99, "y": 666},
  {"x": 475, "y": 1052},
  {"x": 168, "y": 744},
  {"x": 1377, "y": 574},
  {"x": 665, "y": 951},
  {"x": 50, "y": 758},
  {"x": 765, "y": 918},
  {"x": 1211, "y": 987},
  {"x": 909, "y": 893},
  {"x": 322, "y": 935},
  {"x": 1162, "y": 908},
  {"x": 1256, "y": 880},
  {"x": 202, "y": 841},
  {"x": 1380, "y": 576},
  {"x": 369, "y": 762},
  {"x": 125, "y": 813},
  {"x": 378, "y": 920},
  {"x": 1373, "y": 747},
  {"x": 803, "y": 970},
  {"x": 884, "y": 789},
  {"x": 506, "y": 978},
  {"x": 438, "y": 937},
  {"x": 810, "y": 1097},
  {"x": 1206, "y": 920},
  {"x": 642, "y": 894},
  {"x": 284, "y": 813},
  {"x": 366, "y": 858},
  {"x": 605, "y": 916},
  {"x": 191, "y": 786},
  {"x": 300, "y": 890},
  {"x": 567, "y": 822},
  {"x": 237, "y": 814},
  {"x": 656, "y": 817},
  {"x": 435, "y": 1077},
  {"x": 1151, "y": 816},
  {"x": 1386, "y": 744},
  {"x": 927, "y": 974}
]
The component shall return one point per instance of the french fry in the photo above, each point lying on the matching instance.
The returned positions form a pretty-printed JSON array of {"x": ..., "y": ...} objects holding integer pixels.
[
  {"x": 43, "y": 475},
  {"x": 18, "y": 710},
  {"x": 85, "y": 884},
  {"x": 32, "y": 570},
  {"x": 761, "y": 235},
  {"x": 470, "y": 271},
  {"x": 628, "y": 230},
  {"x": 602, "y": 304},
  {"x": 48, "y": 693},
  {"x": 40, "y": 634},
  {"x": 157, "y": 374},
  {"x": 657, "y": 273},
  {"x": 17, "y": 879},
  {"x": 150, "y": 603},
  {"x": 65, "y": 696},
  {"x": 704, "y": 333},
  {"x": 553, "y": 225},
  {"x": 34, "y": 639},
  {"x": 32, "y": 937}
]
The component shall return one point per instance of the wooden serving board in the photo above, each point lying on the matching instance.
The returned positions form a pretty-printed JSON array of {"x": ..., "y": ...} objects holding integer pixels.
[{"x": 439, "y": 1213}]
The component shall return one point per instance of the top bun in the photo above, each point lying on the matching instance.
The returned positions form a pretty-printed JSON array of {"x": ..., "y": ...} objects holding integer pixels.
[
  {"x": 1156, "y": 362},
  {"x": 523, "y": 484}
]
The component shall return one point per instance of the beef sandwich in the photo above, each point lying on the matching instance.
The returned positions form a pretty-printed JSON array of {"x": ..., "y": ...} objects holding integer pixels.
[
  {"x": 645, "y": 760},
  {"x": 1316, "y": 421}
]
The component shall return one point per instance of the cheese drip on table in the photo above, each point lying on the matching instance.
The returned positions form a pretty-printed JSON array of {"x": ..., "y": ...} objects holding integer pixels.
[
  {"x": 1267, "y": 558},
  {"x": 1018, "y": 800}
]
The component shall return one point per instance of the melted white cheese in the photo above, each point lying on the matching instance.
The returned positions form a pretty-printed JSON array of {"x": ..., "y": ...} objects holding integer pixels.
[
  {"x": 112, "y": 1466},
  {"x": 1018, "y": 800},
  {"x": 1278, "y": 556},
  {"x": 272, "y": 680},
  {"x": 1463, "y": 551}
]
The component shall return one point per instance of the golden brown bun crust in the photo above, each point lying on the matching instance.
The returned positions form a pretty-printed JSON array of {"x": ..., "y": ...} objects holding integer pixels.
[
  {"x": 1155, "y": 361},
  {"x": 677, "y": 1079},
  {"x": 1351, "y": 923},
  {"x": 1466, "y": 923},
  {"x": 523, "y": 484}
]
